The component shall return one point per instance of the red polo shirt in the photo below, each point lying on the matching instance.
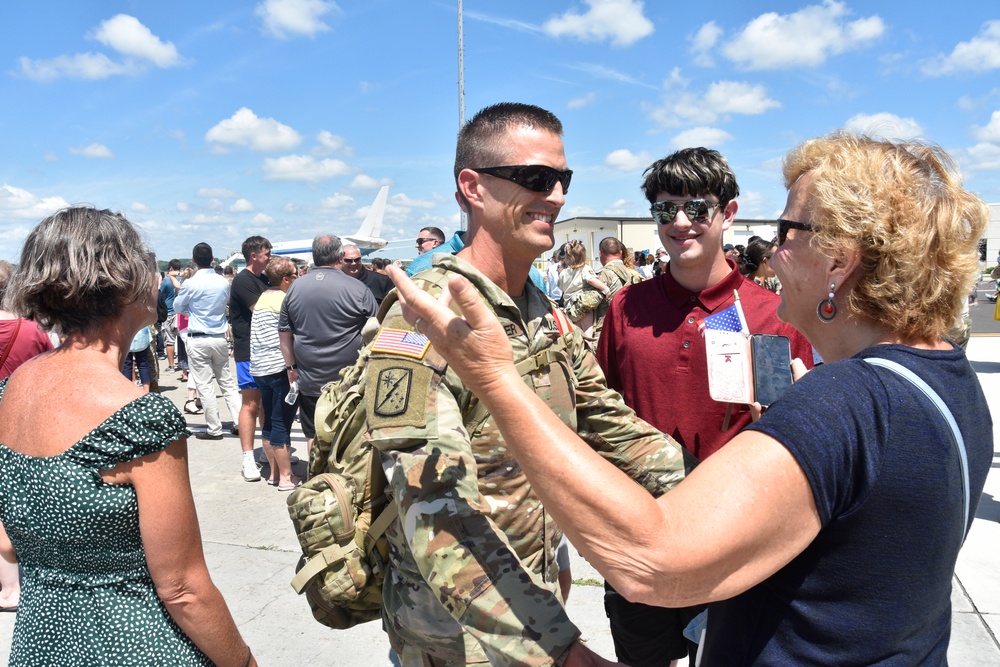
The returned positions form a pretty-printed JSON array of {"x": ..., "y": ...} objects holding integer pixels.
[{"x": 652, "y": 353}]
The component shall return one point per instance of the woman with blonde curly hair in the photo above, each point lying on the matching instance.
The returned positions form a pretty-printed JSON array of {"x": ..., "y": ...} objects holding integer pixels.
[{"x": 826, "y": 532}]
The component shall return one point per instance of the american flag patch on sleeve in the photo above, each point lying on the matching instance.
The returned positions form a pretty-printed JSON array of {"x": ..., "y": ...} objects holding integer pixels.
[{"x": 402, "y": 342}]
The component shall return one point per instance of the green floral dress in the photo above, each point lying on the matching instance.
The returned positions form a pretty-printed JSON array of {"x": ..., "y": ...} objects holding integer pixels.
[{"x": 88, "y": 598}]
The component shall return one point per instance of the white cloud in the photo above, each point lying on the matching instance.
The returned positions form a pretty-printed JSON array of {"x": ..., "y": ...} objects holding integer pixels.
[
  {"x": 182, "y": 206},
  {"x": 366, "y": 182},
  {"x": 620, "y": 207},
  {"x": 703, "y": 42},
  {"x": 984, "y": 156},
  {"x": 682, "y": 107},
  {"x": 885, "y": 125},
  {"x": 331, "y": 143},
  {"x": 126, "y": 35},
  {"x": 303, "y": 168},
  {"x": 979, "y": 54},
  {"x": 19, "y": 203},
  {"x": 338, "y": 201},
  {"x": 244, "y": 128},
  {"x": 710, "y": 137},
  {"x": 290, "y": 18},
  {"x": 202, "y": 219},
  {"x": 403, "y": 200},
  {"x": 216, "y": 192},
  {"x": 604, "y": 72},
  {"x": 805, "y": 38},
  {"x": 739, "y": 97},
  {"x": 619, "y": 21},
  {"x": 991, "y": 131},
  {"x": 97, "y": 151},
  {"x": 262, "y": 219},
  {"x": 520, "y": 26},
  {"x": 88, "y": 66},
  {"x": 123, "y": 33},
  {"x": 625, "y": 160},
  {"x": 580, "y": 102},
  {"x": 139, "y": 207},
  {"x": 241, "y": 206}
]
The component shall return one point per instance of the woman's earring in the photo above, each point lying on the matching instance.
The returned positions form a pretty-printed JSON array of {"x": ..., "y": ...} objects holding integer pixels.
[{"x": 827, "y": 309}]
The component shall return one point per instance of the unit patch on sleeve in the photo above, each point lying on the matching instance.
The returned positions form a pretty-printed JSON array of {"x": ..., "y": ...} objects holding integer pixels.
[
  {"x": 401, "y": 342},
  {"x": 396, "y": 393}
]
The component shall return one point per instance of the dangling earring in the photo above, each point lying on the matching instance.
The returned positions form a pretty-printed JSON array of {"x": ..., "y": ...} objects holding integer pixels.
[{"x": 827, "y": 309}]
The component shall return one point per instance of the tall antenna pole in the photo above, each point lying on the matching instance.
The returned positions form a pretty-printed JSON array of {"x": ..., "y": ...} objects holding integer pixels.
[
  {"x": 461, "y": 68},
  {"x": 464, "y": 223}
]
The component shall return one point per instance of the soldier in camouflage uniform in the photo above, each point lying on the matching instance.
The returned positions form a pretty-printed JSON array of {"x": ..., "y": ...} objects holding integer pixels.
[
  {"x": 473, "y": 576},
  {"x": 615, "y": 275}
]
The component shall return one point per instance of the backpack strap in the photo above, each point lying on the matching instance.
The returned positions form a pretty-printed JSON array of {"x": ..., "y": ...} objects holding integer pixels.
[
  {"x": 956, "y": 435},
  {"x": 335, "y": 553}
]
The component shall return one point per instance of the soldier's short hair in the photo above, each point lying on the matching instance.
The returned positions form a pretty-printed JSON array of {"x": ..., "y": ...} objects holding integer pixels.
[{"x": 481, "y": 140}]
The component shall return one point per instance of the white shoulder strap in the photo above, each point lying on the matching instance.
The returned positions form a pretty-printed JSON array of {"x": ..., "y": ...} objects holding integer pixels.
[{"x": 959, "y": 442}]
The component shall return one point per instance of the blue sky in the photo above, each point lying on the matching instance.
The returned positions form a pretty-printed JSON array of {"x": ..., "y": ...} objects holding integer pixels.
[{"x": 217, "y": 120}]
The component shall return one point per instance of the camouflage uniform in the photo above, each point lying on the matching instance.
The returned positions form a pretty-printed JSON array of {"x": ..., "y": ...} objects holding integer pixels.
[
  {"x": 616, "y": 276},
  {"x": 473, "y": 575}
]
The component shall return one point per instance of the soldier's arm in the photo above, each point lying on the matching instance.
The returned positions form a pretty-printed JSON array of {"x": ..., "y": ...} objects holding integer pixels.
[
  {"x": 651, "y": 458},
  {"x": 459, "y": 551}
]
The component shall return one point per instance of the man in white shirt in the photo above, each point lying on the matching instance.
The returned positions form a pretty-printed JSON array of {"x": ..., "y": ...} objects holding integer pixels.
[{"x": 203, "y": 298}]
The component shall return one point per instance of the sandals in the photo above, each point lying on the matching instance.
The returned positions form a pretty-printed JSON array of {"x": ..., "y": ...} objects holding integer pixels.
[
  {"x": 191, "y": 407},
  {"x": 293, "y": 483}
]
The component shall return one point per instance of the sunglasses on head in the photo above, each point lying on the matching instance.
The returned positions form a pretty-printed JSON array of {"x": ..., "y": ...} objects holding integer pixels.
[
  {"x": 665, "y": 212},
  {"x": 535, "y": 177},
  {"x": 785, "y": 225},
  {"x": 352, "y": 260}
]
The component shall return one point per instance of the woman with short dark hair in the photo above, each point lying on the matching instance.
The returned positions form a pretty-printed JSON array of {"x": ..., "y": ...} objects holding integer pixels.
[{"x": 95, "y": 495}]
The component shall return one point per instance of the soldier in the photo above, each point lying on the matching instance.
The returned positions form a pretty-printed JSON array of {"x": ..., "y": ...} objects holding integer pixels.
[
  {"x": 615, "y": 275},
  {"x": 473, "y": 573}
]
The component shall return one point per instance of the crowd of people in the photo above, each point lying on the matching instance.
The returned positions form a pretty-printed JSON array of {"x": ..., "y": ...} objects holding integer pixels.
[{"x": 728, "y": 534}]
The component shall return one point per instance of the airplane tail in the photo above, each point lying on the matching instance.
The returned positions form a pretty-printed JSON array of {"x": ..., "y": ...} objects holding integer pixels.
[{"x": 372, "y": 225}]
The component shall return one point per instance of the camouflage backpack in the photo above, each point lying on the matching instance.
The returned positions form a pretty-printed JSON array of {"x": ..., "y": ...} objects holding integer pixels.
[{"x": 341, "y": 513}]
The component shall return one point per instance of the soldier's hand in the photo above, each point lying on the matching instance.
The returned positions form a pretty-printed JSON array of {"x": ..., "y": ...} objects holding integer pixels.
[
  {"x": 581, "y": 656},
  {"x": 476, "y": 347}
]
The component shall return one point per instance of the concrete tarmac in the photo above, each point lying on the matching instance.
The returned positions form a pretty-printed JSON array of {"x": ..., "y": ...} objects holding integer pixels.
[{"x": 252, "y": 551}]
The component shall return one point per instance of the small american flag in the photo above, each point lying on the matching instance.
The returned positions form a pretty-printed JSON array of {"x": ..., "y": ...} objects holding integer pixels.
[
  {"x": 730, "y": 319},
  {"x": 400, "y": 341}
]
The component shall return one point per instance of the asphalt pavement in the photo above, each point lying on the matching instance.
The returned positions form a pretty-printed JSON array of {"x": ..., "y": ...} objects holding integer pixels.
[{"x": 251, "y": 552}]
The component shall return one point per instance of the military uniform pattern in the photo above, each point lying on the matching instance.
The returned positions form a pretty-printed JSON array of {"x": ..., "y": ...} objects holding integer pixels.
[{"x": 473, "y": 575}]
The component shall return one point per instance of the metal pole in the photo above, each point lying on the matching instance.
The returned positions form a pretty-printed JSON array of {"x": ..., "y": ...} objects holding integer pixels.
[
  {"x": 464, "y": 223},
  {"x": 461, "y": 68}
]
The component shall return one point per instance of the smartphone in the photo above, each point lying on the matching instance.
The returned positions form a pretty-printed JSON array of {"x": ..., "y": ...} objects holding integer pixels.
[{"x": 771, "y": 357}]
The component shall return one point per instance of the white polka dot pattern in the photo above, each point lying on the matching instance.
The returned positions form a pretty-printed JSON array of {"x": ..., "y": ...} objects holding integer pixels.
[{"x": 88, "y": 598}]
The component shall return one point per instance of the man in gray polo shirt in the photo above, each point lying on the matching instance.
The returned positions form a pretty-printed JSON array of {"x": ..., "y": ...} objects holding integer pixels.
[{"x": 320, "y": 325}]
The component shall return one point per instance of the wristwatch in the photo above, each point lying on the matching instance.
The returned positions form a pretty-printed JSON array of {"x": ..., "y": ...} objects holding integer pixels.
[{"x": 293, "y": 367}]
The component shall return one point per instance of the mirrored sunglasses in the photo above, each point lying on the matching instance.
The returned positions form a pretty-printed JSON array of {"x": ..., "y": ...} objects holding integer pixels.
[
  {"x": 785, "y": 225},
  {"x": 535, "y": 177},
  {"x": 665, "y": 212}
]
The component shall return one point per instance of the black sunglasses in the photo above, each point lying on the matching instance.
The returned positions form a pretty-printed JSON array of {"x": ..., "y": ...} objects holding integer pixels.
[
  {"x": 665, "y": 212},
  {"x": 421, "y": 241},
  {"x": 352, "y": 260},
  {"x": 535, "y": 177},
  {"x": 785, "y": 225}
]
